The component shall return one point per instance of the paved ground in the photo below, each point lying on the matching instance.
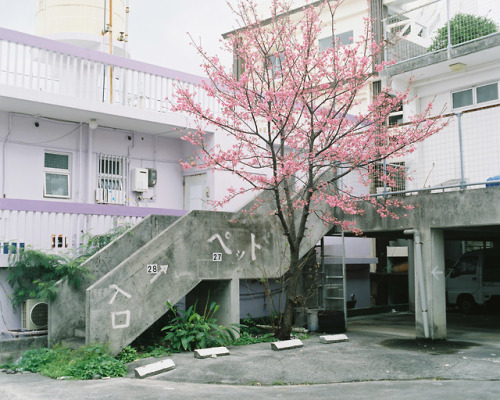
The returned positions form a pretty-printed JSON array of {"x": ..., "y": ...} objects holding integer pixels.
[{"x": 381, "y": 359}]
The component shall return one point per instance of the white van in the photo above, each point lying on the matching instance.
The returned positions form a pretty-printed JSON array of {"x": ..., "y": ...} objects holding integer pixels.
[{"x": 475, "y": 279}]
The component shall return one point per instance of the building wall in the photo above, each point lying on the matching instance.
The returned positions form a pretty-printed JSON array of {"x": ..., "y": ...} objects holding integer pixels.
[{"x": 25, "y": 145}]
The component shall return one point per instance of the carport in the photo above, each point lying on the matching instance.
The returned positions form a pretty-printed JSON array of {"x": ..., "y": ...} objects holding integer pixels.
[{"x": 437, "y": 230}]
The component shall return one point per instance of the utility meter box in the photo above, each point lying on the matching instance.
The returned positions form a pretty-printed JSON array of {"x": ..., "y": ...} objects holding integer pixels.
[
  {"x": 152, "y": 177},
  {"x": 139, "y": 180}
]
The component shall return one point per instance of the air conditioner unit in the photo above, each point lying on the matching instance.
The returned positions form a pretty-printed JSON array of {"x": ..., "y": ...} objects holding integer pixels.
[
  {"x": 35, "y": 315},
  {"x": 109, "y": 196}
]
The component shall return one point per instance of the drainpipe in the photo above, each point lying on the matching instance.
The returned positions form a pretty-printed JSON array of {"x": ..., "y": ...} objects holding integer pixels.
[
  {"x": 89, "y": 165},
  {"x": 448, "y": 48},
  {"x": 80, "y": 163},
  {"x": 420, "y": 276},
  {"x": 460, "y": 143},
  {"x": 4, "y": 166}
]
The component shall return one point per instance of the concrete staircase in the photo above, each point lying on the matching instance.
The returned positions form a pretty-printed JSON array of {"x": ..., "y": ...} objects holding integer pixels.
[
  {"x": 163, "y": 259},
  {"x": 67, "y": 312}
]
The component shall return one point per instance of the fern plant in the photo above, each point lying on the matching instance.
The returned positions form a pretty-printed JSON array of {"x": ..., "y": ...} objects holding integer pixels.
[
  {"x": 189, "y": 330},
  {"x": 33, "y": 274}
]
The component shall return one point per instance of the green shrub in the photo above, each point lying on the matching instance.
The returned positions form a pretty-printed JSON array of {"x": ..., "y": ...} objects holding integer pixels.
[
  {"x": 83, "y": 363},
  {"x": 463, "y": 27},
  {"x": 189, "y": 330},
  {"x": 248, "y": 338},
  {"x": 33, "y": 274},
  {"x": 156, "y": 351},
  {"x": 128, "y": 354},
  {"x": 33, "y": 360}
]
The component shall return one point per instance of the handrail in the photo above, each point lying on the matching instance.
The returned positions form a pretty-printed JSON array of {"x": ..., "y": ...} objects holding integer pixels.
[
  {"x": 84, "y": 208},
  {"x": 94, "y": 55}
]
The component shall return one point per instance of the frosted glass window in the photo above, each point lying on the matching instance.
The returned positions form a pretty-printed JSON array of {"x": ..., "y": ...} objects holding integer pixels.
[
  {"x": 56, "y": 175},
  {"x": 57, "y": 185},
  {"x": 345, "y": 39},
  {"x": 487, "y": 93},
  {"x": 462, "y": 98},
  {"x": 59, "y": 161}
]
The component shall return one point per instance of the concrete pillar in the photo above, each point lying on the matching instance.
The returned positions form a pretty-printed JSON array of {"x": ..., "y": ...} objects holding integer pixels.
[
  {"x": 411, "y": 276},
  {"x": 433, "y": 269},
  {"x": 224, "y": 292}
]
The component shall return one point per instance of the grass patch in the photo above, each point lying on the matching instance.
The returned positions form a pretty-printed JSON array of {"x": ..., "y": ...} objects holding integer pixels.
[{"x": 88, "y": 362}]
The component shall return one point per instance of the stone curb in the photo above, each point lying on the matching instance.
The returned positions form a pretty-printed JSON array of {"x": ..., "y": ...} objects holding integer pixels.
[
  {"x": 287, "y": 345},
  {"x": 154, "y": 369},
  {"x": 211, "y": 352}
]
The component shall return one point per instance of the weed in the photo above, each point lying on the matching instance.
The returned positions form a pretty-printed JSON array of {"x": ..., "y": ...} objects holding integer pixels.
[
  {"x": 84, "y": 363},
  {"x": 128, "y": 354},
  {"x": 247, "y": 338}
]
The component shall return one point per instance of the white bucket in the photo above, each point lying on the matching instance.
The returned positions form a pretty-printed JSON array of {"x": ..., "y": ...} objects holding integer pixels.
[{"x": 312, "y": 319}]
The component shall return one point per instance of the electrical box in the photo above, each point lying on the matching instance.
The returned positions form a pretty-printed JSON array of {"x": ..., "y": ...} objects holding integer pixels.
[
  {"x": 152, "y": 174},
  {"x": 139, "y": 180}
]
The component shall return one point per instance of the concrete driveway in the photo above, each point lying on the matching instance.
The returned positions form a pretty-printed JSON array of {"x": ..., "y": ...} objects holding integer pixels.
[{"x": 381, "y": 359}]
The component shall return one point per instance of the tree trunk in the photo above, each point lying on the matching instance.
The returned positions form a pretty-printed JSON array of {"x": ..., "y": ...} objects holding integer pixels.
[{"x": 285, "y": 328}]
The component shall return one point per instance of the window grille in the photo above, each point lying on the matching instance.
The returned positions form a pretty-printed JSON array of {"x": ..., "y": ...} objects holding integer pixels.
[{"x": 111, "y": 179}]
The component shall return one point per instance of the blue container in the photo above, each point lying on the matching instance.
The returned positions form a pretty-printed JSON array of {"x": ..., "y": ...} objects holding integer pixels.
[{"x": 493, "y": 178}]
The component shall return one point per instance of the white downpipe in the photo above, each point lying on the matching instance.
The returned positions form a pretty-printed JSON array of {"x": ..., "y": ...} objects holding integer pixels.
[
  {"x": 420, "y": 277},
  {"x": 89, "y": 166},
  {"x": 80, "y": 163},
  {"x": 4, "y": 155}
]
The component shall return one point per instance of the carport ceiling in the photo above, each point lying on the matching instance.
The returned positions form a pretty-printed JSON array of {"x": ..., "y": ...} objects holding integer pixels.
[{"x": 481, "y": 233}]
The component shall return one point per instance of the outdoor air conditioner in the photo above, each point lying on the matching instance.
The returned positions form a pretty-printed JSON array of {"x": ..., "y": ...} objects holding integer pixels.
[
  {"x": 109, "y": 196},
  {"x": 35, "y": 315}
]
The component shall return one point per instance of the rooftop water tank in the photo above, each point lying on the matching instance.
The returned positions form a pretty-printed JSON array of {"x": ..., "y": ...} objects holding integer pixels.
[{"x": 82, "y": 23}]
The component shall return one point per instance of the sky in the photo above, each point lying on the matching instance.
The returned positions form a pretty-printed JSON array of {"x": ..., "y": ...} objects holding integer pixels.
[{"x": 157, "y": 29}]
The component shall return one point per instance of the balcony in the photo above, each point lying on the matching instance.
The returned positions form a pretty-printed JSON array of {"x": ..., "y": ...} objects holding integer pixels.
[
  {"x": 57, "y": 80},
  {"x": 420, "y": 32}
]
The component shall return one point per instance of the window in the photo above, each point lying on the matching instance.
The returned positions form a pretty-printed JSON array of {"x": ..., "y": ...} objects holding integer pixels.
[
  {"x": 466, "y": 266},
  {"x": 476, "y": 95},
  {"x": 111, "y": 175},
  {"x": 275, "y": 63},
  {"x": 395, "y": 117},
  {"x": 57, "y": 174},
  {"x": 487, "y": 93},
  {"x": 344, "y": 38},
  {"x": 462, "y": 98},
  {"x": 238, "y": 63}
]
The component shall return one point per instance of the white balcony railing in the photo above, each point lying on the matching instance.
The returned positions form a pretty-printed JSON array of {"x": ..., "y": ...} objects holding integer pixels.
[
  {"x": 58, "y": 227},
  {"x": 43, "y": 65},
  {"x": 418, "y": 29},
  {"x": 463, "y": 155}
]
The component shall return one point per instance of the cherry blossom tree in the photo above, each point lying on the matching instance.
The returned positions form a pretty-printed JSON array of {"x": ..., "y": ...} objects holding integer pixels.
[{"x": 294, "y": 121}]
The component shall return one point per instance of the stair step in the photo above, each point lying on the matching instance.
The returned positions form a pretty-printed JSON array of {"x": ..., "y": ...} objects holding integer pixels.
[
  {"x": 80, "y": 332},
  {"x": 73, "y": 343}
]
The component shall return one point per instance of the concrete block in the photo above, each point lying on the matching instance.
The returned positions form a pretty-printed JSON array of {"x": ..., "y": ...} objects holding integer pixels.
[
  {"x": 287, "y": 345},
  {"x": 333, "y": 338},
  {"x": 154, "y": 369},
  {"x": 211, "y": 352}
]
